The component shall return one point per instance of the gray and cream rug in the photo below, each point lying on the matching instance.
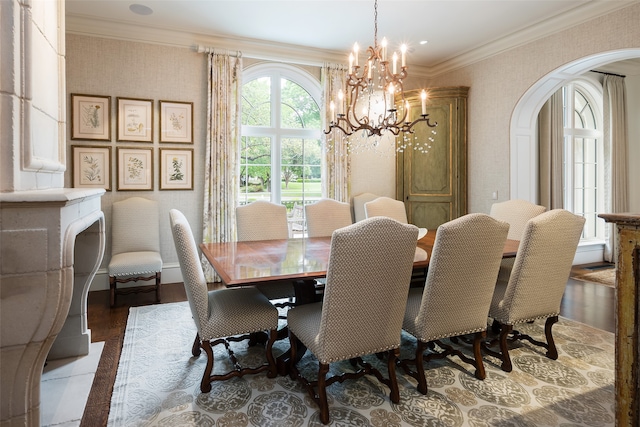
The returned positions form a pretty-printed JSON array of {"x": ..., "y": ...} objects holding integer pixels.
[{"x": 158, "y": 384}]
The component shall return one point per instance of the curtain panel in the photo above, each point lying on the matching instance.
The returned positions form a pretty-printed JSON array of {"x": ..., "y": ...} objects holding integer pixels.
[
  {"x": 222, "y": 151},
  {"x": 550, "y": 153},
  {"x": 336, "y": 163}
]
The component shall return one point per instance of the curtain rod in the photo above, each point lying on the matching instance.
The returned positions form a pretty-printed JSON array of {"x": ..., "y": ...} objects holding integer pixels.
[
  {"x": 608, "y": 74},
  {"x": 205, "y": 49}
]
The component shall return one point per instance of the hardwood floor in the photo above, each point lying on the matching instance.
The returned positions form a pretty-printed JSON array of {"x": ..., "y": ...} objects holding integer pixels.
[{"x": 588, "y": 303}]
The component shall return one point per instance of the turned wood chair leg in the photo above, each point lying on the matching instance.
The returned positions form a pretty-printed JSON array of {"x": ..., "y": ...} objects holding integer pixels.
[
  {"x": 158, "y": 280},
  {"x": 112, "y": 290},
  {"x": 422, "y": 380},
  {"x": 552, "y": 351},
  {"x": 394, "y": 394},
  {"x": 477, "y": 353},
  {"x": 504, "y": 349},
  {"x": 273, "y": 369},
  {"x": 205, "y": 384},
  {"x": 322, "y": 393},
  {"x": 293, "y": 354},
  {"x": 195, "y": 349}
]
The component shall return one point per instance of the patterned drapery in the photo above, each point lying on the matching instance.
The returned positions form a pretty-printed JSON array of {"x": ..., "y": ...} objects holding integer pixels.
[
  {"x": 336, "y": 162},
  {"x": 222, "y": 150}
]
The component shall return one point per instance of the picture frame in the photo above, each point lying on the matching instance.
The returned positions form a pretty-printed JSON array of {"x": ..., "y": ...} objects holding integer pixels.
[
  {"x": 91, "y": 166},
  {"x": 135, "y": 169},
  {"x": 135, "y": 120},
  {"x": 176, "y": 168},
  {"x": 176, "y": 122},
  {"x": 90, "y": 117}
]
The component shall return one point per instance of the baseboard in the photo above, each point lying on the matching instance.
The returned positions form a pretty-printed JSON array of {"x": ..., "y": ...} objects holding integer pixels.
[
  {"x": 171, "y": 273},
  {"x": 589, "y": 252}
]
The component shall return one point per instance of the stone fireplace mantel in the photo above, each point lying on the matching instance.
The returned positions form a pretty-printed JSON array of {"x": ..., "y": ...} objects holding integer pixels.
[{"x": 52, "y": 243}]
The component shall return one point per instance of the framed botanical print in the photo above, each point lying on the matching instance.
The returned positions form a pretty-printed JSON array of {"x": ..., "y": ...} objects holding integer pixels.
[
  {"x": 176, "y": 169},
  {"x": 90, "y": 117},
  {"x": 176, "y": 122},
  {"x": 91, "y": 167},
  {"x": 135, "y": 169},
  {"x": 135, "y": 120}
]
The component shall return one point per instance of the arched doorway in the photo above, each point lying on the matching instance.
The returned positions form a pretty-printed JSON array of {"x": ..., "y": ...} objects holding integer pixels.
[{"x": 523, "y": 140}]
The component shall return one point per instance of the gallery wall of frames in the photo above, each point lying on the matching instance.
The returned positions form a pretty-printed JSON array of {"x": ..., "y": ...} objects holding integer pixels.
[{"x": 137, "y": 143}]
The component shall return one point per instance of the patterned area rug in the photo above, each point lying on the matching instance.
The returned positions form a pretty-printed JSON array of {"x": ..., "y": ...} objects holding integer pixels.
[
  {"x": 158, "y": 384},
  {"x": 606, "y": 277}
]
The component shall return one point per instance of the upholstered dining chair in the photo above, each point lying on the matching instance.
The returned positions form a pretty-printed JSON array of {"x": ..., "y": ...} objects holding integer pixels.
[
  {"x": 457, "y": 294},
  {"x": 517, "y": 213},
  {"x": 263, "y": 220},
  {"x": 386, "y": 206},
  {"x": 370, "y": 265},
  {"x": 535, "y": 288},
  {"x": 135, "y": 247},
  {"x": 327, "y": 215},
  {"x": 223, "y": 315},
  {"x": 358, "y": 205}
]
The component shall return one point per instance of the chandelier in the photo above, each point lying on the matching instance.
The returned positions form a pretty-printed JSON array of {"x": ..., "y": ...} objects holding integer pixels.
[{"x": 374, "y": 100}]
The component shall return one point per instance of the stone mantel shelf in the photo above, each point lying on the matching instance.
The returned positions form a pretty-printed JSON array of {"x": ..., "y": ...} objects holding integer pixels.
[{"x": 52, "y": 195}]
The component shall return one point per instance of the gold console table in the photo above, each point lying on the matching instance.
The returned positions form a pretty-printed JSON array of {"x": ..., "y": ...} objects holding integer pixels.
[{"x": 627, "y": 318}]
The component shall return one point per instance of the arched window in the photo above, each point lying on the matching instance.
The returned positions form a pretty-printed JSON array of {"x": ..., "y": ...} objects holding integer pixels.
[
  {"x": 281, "y": 148},
  {"x": 584, "y": 177}
]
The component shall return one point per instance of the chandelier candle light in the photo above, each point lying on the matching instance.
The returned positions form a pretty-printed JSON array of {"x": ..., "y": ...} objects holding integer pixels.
[{"x": 375, "y": 99}]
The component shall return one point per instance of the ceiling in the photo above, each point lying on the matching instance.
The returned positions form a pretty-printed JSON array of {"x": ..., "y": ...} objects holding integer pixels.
[{"x": 457, "y": 32}]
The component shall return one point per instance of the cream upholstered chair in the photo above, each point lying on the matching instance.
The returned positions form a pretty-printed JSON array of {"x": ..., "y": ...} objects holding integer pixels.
[
  {"x": 540, "y": 273},
  {"x": 370, "y": 265},
  {"x": 135, "y": 246},
  {"x": 517, "y": 213},
  {"x": 263, "y": 220},
  {"x": 386, "y": 206},
  {"x": 221, "y": 315},
  {"x": 358, "y": 205},
  {"x": 327, "y": 215},
  {"x": 456, "y": 297}
]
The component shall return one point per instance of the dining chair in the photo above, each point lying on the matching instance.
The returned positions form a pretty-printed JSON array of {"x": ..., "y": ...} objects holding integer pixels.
[
  {"x": 517, "y": 213},
  {"x": 358, "y": 205},
  {"x": 540, "y": 273},
  {"x": 386, "y": 206},
  {"x": 135, "y": 247},
  {"x": 327, "y": 215},
  {"x": 224, "y": 315},
  {"x": 264, "y": 220},
  {"x": 370, "y": 265},
  {"x": 457, "y": 294}
]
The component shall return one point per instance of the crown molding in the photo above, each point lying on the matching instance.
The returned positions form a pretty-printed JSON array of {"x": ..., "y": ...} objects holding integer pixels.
[{"x": 260, "y": 49}]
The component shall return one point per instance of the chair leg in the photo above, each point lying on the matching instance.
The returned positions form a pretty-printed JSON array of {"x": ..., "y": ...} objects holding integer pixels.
[
  {"x": 552, "y": 351},
  {"x": 504, "y": 349},
  {"x": 195, "y": 349},
  {"x": 112, "y": 290},
  {"x": 422, "y": 380},
  {"x": 273, "y": 369},
  {"x": 205, "y": 384},
  {"x": 158, "y": 275},
  {"x": 322, "y": 393},
  {"x": 477, "y": 353},
  {"x": 394, "y": 395}
]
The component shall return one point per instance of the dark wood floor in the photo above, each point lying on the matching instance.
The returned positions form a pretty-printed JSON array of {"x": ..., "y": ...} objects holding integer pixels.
[{"x": 589, "y": 303}]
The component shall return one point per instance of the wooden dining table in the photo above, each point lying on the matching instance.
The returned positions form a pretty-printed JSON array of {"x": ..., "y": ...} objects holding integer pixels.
[{"x": 300, "y": 261}]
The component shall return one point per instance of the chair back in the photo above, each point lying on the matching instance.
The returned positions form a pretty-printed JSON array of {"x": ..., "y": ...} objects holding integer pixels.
[
  {"x": 517, "y": 213},
  {"x": 386, "y": 206},
  {"x": 262, "y": 220},
  {"x": 462, "y": 274},
  {"x": 541, "y": 268},
  {"x": 326, "y": 216},
  {"x": 135, "y": 226},
  {"x": 370, "y": 264},
  {"x": 195, "y": 284},
  {"x": 358, "y": 205}
]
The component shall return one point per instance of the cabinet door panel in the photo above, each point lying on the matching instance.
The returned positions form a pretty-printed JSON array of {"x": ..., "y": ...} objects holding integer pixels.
[{"x": 433, "y": 184}]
